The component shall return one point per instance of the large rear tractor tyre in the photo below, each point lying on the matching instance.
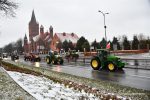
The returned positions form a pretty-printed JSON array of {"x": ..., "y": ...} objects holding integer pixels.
[
  {"x": 95, "y": 63},
  {"x": 48, "y": 60},
  {"x": 111, "y": 66}
]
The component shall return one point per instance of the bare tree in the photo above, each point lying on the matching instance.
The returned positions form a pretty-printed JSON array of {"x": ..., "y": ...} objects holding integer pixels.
[{"x": 8, "y": 7}]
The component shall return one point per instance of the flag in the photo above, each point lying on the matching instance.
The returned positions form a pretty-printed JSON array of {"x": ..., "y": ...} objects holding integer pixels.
[{"x": 108, "y": 46}]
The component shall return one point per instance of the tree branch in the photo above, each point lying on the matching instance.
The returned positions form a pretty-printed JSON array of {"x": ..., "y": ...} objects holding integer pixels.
[{"x": 8, "y": 7}]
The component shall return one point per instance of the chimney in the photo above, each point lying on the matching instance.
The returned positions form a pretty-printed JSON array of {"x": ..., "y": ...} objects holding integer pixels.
[
  {"x": 64, "y": 34},
  {"x": 72, "y": 34},
  {"x": 41, "y": 30}
]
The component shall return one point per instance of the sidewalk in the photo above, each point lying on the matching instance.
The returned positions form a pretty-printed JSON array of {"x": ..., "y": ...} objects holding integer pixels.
[{"x": 9, "y": 90}]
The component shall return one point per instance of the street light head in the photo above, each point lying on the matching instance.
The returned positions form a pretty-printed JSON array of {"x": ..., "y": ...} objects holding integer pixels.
[
  {"x": 99, "y": 11},
  {"x": 106, "y": 13}
]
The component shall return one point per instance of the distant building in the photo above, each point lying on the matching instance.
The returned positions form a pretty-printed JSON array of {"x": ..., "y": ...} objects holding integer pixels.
[
  {"x": 26, "y": 45},
  {"x": 61, "y": 37},
  {"x": 40, "y": 41}
]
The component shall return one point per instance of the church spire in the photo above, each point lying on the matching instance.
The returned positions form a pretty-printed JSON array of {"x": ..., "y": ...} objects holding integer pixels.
[
  {"x": 33, "y": 19},
  {"x": 25, "y": 37}
]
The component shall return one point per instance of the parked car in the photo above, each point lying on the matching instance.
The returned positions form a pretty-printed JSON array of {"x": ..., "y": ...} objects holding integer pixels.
[
  {"x": 27, "y": 56},
  {"x": 5, "y": 55},
  {"x": 32, "y": 57}
]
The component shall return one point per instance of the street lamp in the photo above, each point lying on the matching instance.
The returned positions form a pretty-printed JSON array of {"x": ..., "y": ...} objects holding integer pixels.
[{"x": 104, "y": 23}]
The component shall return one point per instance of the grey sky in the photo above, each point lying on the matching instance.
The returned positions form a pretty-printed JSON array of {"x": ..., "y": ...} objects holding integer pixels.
[{"x": 127, "y": 17}]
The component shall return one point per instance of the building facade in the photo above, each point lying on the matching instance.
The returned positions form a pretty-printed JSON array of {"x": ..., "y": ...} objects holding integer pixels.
[{"x": 61, "y": 37}]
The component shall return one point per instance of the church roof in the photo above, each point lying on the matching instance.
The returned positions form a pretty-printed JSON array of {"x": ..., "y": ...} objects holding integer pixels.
[
  {"x": 67, "y": 36},
  {"x": 25, "y": 37},
  {"x": 33, "y": 19},
  {"x": 46, "y": 37}
]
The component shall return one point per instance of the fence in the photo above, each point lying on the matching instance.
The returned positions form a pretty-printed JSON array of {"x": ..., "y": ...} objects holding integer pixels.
[{"x": 130, "y": 62}]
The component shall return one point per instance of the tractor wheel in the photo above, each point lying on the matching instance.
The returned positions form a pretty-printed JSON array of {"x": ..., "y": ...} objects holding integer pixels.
[
  {"x": 95, "y": 63},
  {"x": 61, "y": 61},
  {"x": 55, "y": 62},
  {"x": 39, "y": 59},
  {"x": 111, "y": 66},
  {"x": 48, "y": 60},
  {"x": 25, "y": 59}
]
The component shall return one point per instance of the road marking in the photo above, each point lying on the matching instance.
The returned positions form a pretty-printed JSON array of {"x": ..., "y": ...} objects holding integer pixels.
[{"x": 140, "y": 76}]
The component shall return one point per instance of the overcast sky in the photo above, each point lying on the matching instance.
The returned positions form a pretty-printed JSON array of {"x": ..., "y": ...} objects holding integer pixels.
[{"x": 127, "y": 17}]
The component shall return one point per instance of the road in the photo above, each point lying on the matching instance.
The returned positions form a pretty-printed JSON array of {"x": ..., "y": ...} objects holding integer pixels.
[{"x": 136, "y": 78}]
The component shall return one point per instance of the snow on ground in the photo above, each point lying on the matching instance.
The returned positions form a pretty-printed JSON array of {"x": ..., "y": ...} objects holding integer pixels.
[
  {"x": 45, "y": 89},
  {"x": 145, "y": 54}
]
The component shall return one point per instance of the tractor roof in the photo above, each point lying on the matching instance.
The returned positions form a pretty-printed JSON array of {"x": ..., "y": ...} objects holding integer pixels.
[{"x": 101, "y": 50}]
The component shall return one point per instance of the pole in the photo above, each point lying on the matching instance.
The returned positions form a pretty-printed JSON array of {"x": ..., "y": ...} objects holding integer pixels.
[
  {"x": 105, "y": 28},
  {"x": 104, "y": 24}
]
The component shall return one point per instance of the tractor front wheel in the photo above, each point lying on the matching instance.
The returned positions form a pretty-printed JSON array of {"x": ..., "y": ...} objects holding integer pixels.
[
  {"x": 111, "y": 66},
  {"x": 95, "y": 63},
  {"x": 61, "y": 61},
  {"x": 48, "y": 60}
]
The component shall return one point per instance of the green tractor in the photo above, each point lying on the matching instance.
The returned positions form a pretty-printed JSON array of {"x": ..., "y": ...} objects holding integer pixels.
[
  {"x": 54, "y": 58},
  {"x": 72, "y": 54},
  {"x": 104, "y": 60}
]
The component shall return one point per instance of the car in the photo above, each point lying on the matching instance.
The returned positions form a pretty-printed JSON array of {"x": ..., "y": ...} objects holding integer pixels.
[
  {"x": 14, "y": 56},
  {"x": 32, "y": 57},
  {"x": 104, "y": 60},
  {"x": 5, "y": 55},
  {"x": 27, "y": 56},
  {"x": 54, "y": 57}
]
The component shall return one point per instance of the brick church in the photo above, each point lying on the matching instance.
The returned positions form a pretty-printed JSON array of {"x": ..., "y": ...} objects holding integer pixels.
[{"x": 40, "y": 41}]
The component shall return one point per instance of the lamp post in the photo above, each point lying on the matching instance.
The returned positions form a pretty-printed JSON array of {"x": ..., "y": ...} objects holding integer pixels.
[{"x": 104, "y": 23}]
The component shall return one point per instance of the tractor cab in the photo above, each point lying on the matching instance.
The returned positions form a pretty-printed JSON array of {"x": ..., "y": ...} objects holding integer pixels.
[
  {"x": 103, "y": 54},
  {"x": 56, "y": 53}
]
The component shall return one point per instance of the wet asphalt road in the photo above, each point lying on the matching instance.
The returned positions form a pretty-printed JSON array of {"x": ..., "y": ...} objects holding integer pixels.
[{"x": 136, "y": 78}]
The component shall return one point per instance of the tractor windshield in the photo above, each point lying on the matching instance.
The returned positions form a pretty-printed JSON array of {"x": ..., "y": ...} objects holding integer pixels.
[
  {"x": 55, "y": 53},
  {"x": 103, "y": 53}
]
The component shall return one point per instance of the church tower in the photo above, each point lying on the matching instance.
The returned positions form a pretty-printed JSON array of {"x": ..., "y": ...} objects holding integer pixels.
[
  {"x": 51, "y": 32},
  {"x": 33, "y": 27},
  {"x": 41, "y": 30},
  {"x": 26, "y": 48}
]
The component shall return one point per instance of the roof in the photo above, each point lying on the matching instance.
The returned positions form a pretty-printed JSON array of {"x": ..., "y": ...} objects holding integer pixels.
[
  {"x": 46, "y": 37},
  {"x": 36, "y": 38},
  {"x": 67, "y": 36}
]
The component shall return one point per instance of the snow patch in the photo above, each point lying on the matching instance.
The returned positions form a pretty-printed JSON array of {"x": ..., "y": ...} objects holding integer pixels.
[{"x": 45, "y": 89}]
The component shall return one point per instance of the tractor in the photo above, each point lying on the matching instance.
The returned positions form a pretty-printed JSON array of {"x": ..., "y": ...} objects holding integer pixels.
[
  {"x": 72, "y": 54},
  {"x": 54, "y": 58},
  {"x": 104, "y": 60}
]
